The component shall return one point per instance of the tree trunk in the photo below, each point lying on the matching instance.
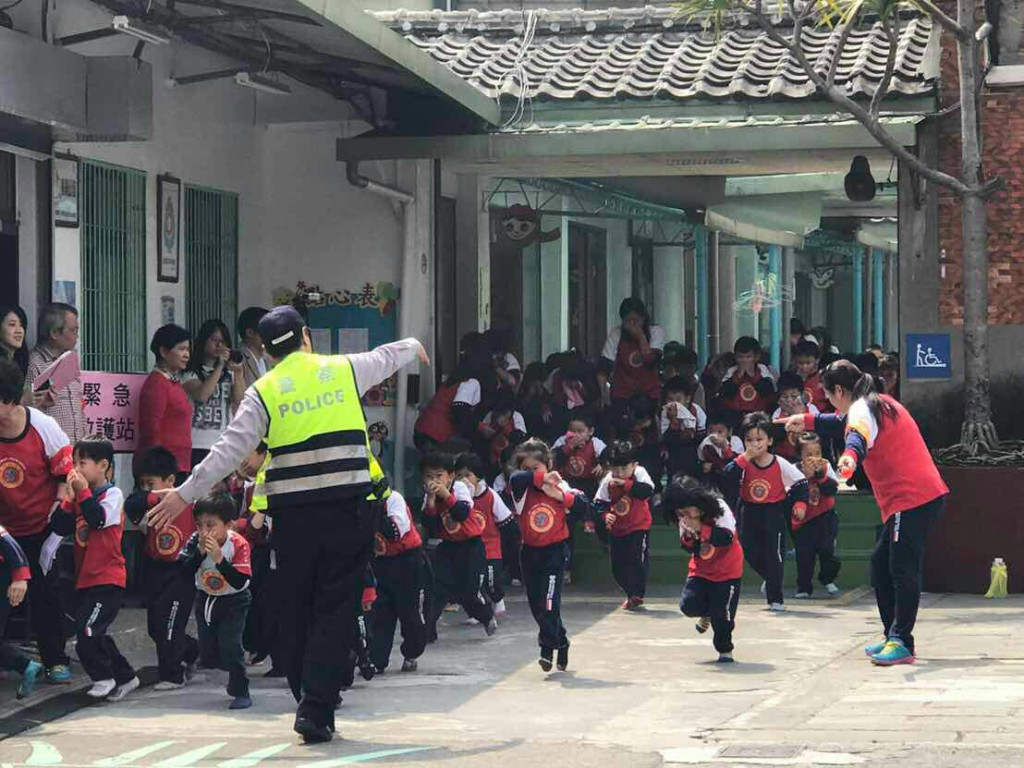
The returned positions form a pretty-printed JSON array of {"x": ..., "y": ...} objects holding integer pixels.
[{"x": 978, "y": 430}]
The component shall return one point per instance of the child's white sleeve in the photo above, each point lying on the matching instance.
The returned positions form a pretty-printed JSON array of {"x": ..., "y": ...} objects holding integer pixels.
[
  {"x": 518, "y": 422},
  {"x": 499, "y": 509},
  {"x": 641, "y": 475},
  {"x": 728, "y": 519},
  {"x": 462, "y": 493},
  {"x": 468, "y": 393},
  {"x": 790, "y": 474},
  {"x": 599, "y": 446},
  {"x": 558, "y": 443},
  {"x": 398, "y": 513},
  {"x": 112, "y": 504},
  {"x": 602, "y": 490},
  {"x": 702, "y": 417}
]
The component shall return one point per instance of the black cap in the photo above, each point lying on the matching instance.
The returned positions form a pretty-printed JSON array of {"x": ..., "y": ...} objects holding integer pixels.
[{"x": 281, "y": 329}]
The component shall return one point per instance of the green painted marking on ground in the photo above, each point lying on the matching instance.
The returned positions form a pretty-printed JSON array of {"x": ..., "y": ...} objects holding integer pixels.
[
  {"x": 253, "y": 758},
  {"x": 44, "y": 754},
  {"x": 190, "y": 758},
  {"x": 131, "y": 757},
  {"x": 352, "y": 759}
]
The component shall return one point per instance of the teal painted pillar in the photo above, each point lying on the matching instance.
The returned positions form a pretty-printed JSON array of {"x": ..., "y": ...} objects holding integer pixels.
[
  {"x": 775, "y": 312},
  {"x": 878, "y": 296},
  {"x": 858, "y": 301},
  {"x": 700, "y": 235}
]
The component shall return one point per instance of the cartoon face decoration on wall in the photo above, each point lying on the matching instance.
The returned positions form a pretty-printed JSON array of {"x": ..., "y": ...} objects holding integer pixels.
[
  {"x": 520, "y": 225},
  {"x": 378, "y": 433}
]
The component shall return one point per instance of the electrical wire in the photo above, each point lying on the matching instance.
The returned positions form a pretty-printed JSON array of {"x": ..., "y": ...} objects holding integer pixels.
[{"x": 517, "y": 72}]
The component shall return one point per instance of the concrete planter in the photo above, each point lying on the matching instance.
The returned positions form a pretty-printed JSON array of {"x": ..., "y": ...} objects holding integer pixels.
[{"x": 982, "y": 521}]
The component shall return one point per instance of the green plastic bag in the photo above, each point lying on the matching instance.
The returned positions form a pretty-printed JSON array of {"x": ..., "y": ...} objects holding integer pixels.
[{"x": 997, "y": 588}]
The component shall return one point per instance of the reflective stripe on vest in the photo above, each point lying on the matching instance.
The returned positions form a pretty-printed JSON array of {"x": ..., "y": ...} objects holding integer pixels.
[{"x": 317, "y": 440}]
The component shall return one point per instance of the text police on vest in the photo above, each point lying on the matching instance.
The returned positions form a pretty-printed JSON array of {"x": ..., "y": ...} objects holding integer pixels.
[{"x": 309, "y": 404}]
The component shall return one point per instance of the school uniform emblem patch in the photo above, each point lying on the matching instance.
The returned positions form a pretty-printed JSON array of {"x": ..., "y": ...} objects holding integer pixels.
[
  {"x": 12, "y": 474},
  {"x": 213, "y": 582},
  {"x": 81, "y": 532},
  {"x": 636, "y": 360},
  {"x": 576, "y": 466},
  {"x": 759, "y": 490},
  {"x": 622, "y": 506},
  {"x": 168, "y": 540},
  {"x": 748, "y": 393},
  {"x": 707, "y": 550},
  {"x": 451, "y": 525},
  {"x": 542, "y": 518},
  {"x": 814, "y": 496}
]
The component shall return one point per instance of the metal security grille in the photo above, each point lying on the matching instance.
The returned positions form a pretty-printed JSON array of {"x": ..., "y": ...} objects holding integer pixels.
[
  {"x": 211, "y": 257},
  {"x": 113, "y": 237}
]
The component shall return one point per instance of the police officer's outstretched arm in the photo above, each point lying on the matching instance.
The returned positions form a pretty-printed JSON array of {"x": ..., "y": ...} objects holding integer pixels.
[{"x": 377, "y": 365}]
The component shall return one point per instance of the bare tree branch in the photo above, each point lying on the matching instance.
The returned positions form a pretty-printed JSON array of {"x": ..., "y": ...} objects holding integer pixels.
[
  {"x": 944, "y": 21},
  {"x": 870, "y": 122},
  {"x": 892, "y": 34},
  {"x": 838, "y": 55}
]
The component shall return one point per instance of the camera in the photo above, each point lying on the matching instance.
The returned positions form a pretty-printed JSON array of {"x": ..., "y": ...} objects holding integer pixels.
[{"x": 235, "y": 356}]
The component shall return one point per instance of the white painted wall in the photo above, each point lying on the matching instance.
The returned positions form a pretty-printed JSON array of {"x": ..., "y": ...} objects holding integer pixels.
[{"x": 669, "y": 290}]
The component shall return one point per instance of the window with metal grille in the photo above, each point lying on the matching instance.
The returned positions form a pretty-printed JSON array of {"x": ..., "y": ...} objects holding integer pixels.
[
  {"x": 113, "y": 239},
  {"x": 211, "y": 257}
]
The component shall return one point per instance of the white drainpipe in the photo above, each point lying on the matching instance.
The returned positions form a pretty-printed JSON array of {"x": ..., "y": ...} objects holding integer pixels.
[{"x": 408, "y": 203}]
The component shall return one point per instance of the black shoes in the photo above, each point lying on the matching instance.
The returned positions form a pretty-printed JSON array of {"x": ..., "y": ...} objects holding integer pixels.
[
  {"x": 562, "y": 662},
  {"x": 545, "y": 659},
  {"x": 312, "y": 733}
]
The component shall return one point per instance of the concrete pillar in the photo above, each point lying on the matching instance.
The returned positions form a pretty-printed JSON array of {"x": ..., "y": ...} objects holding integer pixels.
[
  {"x": 619, "y": 261},
  {"x": 701, "y": 284},
  {"x": 714, "y": 298},
  {"x": 775, "y": 311},
  {"x": 32, "y": 196},
  {"x": 726, "y": 297},
  {"x": 554, "y": 288},
  {"x": 468, "y": 218},
  {"x": 668, "y": 291},
  {"x": 892, "y": 302},
  {"x": 869, "y": 296},
  {"x": 789, "y": 293},
  {"x": 532, "y": 303},
  {"x": 857, "y": 304},
  {"x": 746, "y": 274}
]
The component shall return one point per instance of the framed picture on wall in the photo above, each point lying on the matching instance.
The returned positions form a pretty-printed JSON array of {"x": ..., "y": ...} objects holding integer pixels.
[
  {"x": 65, "y": 191},
  {"x": 168, "y": 235}
]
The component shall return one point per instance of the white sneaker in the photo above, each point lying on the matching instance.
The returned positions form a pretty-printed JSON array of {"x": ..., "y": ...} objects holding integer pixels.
[
  {"x": 167, "y": 685},
  {"x": 517, "y": 583},
  {"x": 764, "y": 587},
  {"x": 832, "y": 589},
  {"x": 802, "y": 595},
  {"x": 101, "y": 689},
  {"x": 777, "y": 607},
  {"x": 471, "y": 622},
  {"x": 123, "y": 690},
  {"x": 499, "y": 608}
]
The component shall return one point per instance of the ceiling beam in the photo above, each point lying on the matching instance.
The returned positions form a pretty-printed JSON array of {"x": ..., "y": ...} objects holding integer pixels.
[
  {"x": 252, "y": 11},
  {"x": 85, "y": 37}
]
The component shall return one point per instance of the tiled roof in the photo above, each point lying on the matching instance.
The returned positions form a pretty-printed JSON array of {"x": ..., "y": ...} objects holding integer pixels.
[
  {"x": 700, "y": 123},
  {"x": 643, "y": 53}
]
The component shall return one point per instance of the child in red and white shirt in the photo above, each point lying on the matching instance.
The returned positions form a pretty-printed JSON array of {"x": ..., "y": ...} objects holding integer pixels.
[
  {"x": 683, "y": 426},
  {"x": 750, "y": 386},
  {"x": 707, "y": 529},
  {"x": 623, "y": 501},
  {"x": 816, "y": 534},
  {"x": 91, "y": 512},
  {"x": 807, "y": 365},
  {"x": 469, "y": 469},
  {"x": 769, "y": 489},
  {"x": 221, "y": 560},
  {"x": 719, "y": 448},
  {"x": 792, "y": 400}
]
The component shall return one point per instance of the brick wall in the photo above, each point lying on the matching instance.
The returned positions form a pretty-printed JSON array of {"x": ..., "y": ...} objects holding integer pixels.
[{"x": 1003, "y": 148}]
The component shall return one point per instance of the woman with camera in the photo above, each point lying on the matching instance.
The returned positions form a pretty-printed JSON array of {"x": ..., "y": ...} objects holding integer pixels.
[{"x": 214, "y": 383}]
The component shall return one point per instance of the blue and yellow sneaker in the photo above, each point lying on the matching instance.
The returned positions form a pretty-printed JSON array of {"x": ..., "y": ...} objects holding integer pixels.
[
  {"x": 875, "y": 648},
  {"x": 58, "y": 674},
  {"x": 895, "y": 652},
  {"x": 28, "y": 679}
]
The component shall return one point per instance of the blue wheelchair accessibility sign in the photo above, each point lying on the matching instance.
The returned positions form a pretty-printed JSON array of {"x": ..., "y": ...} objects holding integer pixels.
[{"x": 929, "y": 356}]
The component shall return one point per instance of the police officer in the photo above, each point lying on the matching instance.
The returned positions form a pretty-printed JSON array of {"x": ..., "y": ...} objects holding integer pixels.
[{"x": 319, "y": 483}]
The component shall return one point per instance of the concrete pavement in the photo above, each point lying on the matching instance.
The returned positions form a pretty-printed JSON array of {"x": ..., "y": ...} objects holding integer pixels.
[{"x": 642, "y": 690}]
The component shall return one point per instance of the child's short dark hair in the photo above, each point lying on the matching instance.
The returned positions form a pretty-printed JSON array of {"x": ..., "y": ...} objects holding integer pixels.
[
  {"x": 790, "y": 380},
  {"x": 684, "y": 384},
  {"x": 508, "y": 454},
  {"x": 619, "y": 454},
  {"x": 641, "y": 408},
  {"x": 473, "y": 463},
  {"x": 724, "y": 418},
  {"x": 158, "y": 462},
  {"x": 219, "y": 505},
  {"x": 746, "y": 344},
  {"x": 807, "y": 348},
  {"x": 889, "y": 363},
  {"x": 754, "y": 421},
  {"x": 12, "y": 382},
  {"x": 503, "y": 402},
  {"x": 437, "y": 459},
  {"x": 584, "y": 414},
  {"x": 808, "y": 438},
  {"x": 95, "y": 449},
  {"x": 536, "y": 449},
  {"x": 687, "y": 492}
]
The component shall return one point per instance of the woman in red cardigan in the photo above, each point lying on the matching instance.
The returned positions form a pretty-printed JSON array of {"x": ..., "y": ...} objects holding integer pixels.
[{"x": 165, "y": 412}]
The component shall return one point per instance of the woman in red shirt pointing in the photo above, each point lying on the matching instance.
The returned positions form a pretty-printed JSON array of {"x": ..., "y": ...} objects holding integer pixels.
[
  {"x": 880, "y": 433},
  {"x": 165, "y": 411}
]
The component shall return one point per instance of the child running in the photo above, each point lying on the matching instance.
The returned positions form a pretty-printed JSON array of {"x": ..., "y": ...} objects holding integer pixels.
[
  {"x": 460, "y": 559},
  {"x": 401, "y": 571},
  {"x": 221, "y": 560},
  {"x": 14, "y": 577},
  {"x": 469, "y": 469},
  {"x": 92, "y": 513},
  {"x": 769, "y": 486},
  {"x": 623, "y": 500},
  {"x": 169, "y": 593},
  {"x": 707, "y": 529},
  {"x": 543, "y": 502},
  {"x": 816, "y": 534}
]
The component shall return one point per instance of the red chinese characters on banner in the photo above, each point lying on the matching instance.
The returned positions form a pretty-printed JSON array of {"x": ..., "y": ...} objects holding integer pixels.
[{"x": 111, "y": 403}]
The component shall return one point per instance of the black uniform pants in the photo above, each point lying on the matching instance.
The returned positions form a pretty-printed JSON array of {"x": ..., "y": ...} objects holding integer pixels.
[
  {"x": 459, "y": 577},
  {"x": 221, "y": 621},
  {"x": 97, "y": 609},
  {"x": 631, "y": 561},
  {"x": 321, "y": 552},
  {"x": 543, "y": 568},
  {"x": 170, "y": 593},
  {"x": 401, "y": 600},
  {"x": 44, "y": 605},
  {"x": 896, "y": 566},
  {"x": 718, "y": 600},
  {"x": 262, "y": 628},
  {"x": 494, "y": 580},
  {"x": 764, "y": 539},
  {"x": 816, "y": 540},
  {"x": 11, "y": 659}
]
